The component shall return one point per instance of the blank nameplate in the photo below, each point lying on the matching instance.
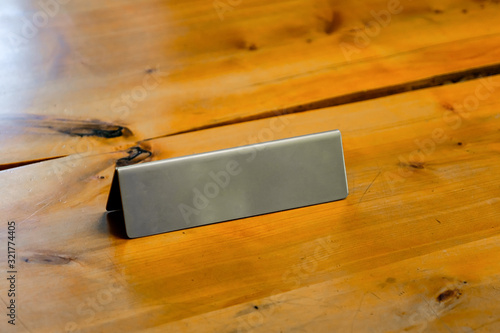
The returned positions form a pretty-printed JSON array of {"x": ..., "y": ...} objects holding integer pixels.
[{"x": 223, "y": 185}]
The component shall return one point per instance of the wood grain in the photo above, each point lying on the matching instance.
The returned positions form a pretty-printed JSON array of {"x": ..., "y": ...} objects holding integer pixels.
[
  {"x": 414, "y": 246},
  {"x": 427, "y": 293},
  {"x": 109, "y": 75}
]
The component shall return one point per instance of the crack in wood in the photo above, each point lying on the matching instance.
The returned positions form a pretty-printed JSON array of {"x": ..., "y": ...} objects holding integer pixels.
[
  {"x": 430, "y": 82},
  {"x": 100, "y": 129}
]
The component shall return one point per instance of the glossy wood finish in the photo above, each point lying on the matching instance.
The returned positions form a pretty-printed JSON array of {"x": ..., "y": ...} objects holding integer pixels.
[
  {"x": 415, "y": 246},
  {"x": 415, "y": 243},
  {"x": 125, "y": 71}
]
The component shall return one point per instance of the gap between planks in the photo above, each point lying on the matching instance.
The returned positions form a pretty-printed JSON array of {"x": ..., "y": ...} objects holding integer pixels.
[{"x": 360, "y": 96}]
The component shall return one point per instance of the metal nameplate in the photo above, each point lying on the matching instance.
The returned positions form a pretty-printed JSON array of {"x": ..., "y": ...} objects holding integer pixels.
[{"x": 195, "y": 190}]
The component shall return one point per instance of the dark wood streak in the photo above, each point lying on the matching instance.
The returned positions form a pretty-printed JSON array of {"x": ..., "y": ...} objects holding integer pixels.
[
  {"x": 434, "y": 81},
  {"x": 48, "y": 259},
  {"x": 93, "y": 128},
  {"x": 334, "y": 23},
  {"x": 136, "y": 155},
  {"x": 71, "y": 127},
  {"x": 448, "y": 295}
]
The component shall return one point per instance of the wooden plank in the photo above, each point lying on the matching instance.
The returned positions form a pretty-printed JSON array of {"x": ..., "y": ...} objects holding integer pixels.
[
  {"x": 435, "y": 292},
  {"x": 115, "y": 73},
  {"x": 423, "y": 177}
]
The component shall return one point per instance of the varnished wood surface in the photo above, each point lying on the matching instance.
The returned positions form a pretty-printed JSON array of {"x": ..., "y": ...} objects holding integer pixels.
[
  {"x": 413, "y": 248},
  {"x": 98, "y": 76}
]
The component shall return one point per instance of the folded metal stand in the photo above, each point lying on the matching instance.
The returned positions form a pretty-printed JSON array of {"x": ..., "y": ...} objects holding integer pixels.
[{"x": 195, "y": 190}]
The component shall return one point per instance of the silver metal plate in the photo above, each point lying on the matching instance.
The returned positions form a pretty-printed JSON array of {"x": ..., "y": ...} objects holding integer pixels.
[{"x": 195, "y": 190}]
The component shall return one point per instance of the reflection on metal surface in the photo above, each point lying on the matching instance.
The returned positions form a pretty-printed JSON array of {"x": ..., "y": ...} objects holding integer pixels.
[{"x": 195, "y": 190}]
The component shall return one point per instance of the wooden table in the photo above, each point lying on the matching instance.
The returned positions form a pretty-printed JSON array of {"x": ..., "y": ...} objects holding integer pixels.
[{"x": 412, "y": 85}]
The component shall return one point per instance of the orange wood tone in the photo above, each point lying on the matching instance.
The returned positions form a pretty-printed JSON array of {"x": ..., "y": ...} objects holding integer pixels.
[
  {"x": 415, "y": 246},
  {"x": 120, "y": 71}
]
